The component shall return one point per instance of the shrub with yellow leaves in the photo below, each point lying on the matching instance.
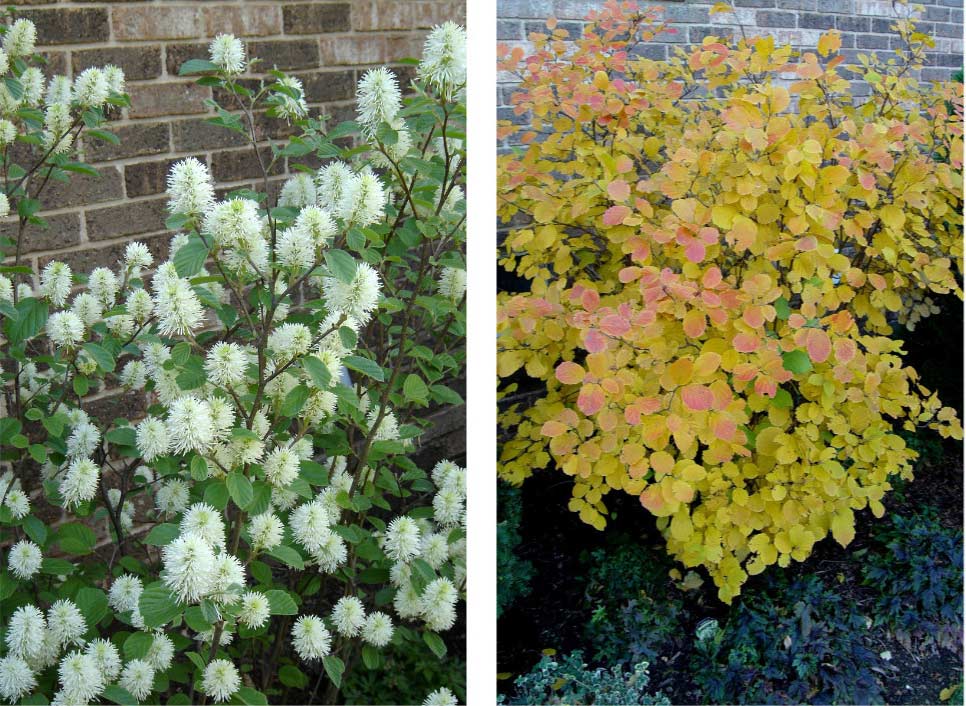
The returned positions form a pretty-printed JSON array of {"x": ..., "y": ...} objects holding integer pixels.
[{"x": 717, "y": 250}]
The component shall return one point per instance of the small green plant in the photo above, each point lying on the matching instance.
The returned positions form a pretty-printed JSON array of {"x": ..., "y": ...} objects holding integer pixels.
[
  {"x": 514, "y": 574},
  {"x": 571, "y": 681}
]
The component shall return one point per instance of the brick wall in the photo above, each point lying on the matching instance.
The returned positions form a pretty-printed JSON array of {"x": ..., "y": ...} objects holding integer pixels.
[{"x": 864, "y": 25}]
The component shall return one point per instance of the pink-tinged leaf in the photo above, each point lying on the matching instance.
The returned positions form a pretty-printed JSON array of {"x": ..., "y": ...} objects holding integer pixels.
[
  {"x": 623, "y": 164},
  {"x": 709, "y": 235},
  {"x": 619, "y": 190},
  {"x": 753, "y": 316},
  {"x": 844, "y": 350},
  {"x": 711, "y": 279},
  {"x": 553, "y": 428},
  {"x": 652, "y": 499},
  {"x": 818, "y": 345},
  {"x": 867, "y": 180},
  {"x": 746, "y": 342},
  {"x": 695, "y": 251},
  {"x": 590, "y": 399},
  {"x": 629, "y": 274},
  {"x": 694, "y": 323},
  {"x": 797, "y": 320},
  {"x": 570, "y": 373},
  {"x": 697, "y": 397},
  {"x": 594, "y": 341},
  {"x": 614, "y": 325},
  {"x": 765, "y": 386},
  {"x": 806, "y": 244},
  {"x": 615, "y": 215},
  {"x": 590, "y": 300},
  {"x": 724, "y": 429}
]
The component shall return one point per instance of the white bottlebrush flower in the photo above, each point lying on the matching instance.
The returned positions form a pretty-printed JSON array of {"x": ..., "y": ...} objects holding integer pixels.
[
  {"x": 222, "y": 416},
  {"x": 446, "y": 473},
  {"x": 281, "y": 467},
  {"x": 58, "y": 91},
  {"x": 115, "y": 77},
  {"x": 228, "y": 574},
  {"x": 138, "y": 678},
  {"x": 25, "y": 632},
  {"x": 4, "y": 206},
  {"x": 227, "y": 53},
  {"x": 287, "y": 107},
  {"x": 8, "y": 131},
  {"x": 377, "y": 99},
  {"x": 317, "y": 224},
  {"x": 348, "y": 616},
  {"x": 206, "y": 522},
  {"x": 377, "y": 630},
  {"x": 190, "y": 189},
  {"x": 16, "y": 678},
  {"x": 441, "y": 697},
  {"x": 220, "y": 680},
  {"x": 254, "y": 611},
  {"x": 232, "y": 221},
  {"x": 177, "y": 306},
  {"x": 20, "y": 39},
  {"x": 401, "y": 541},
  {"x": 134, "y": 375},
  {"x": 6, "y": 289},
  {"x": 407, "y": 602},
  {"x": 310, "y": 638},
  {"x": 400, "y": 574},
  {"x": 91, "y": 88},
  {"x": 55, "y": 282},
  {"x": 298, "y": 192},
  {"x": 137, "y": 257},
  {"x": 266, "y": 531},
  {"x": 366, "y": 204},
  {"x": 310, "y": 524},
  {"x": 24, "y": 559},
  {"x": 452, "y": 283},
  {"x": 190, "y": 425},
  {"x": 357, "y": 299},
  {"x": 172, "y": 497},
  {"x": 152, "y": 438},
  {"x": 80, "y": 482},
  {"x": 188, "y": 567},
  {"x": 161, "y": 652},
  {"x": 18, "y": 503},
  {"x": 336, "y": 185},
  {"x": 80, "y": 678},
  {"x": 105, "y": 654},
  {"x": 139, "y": 305},
  {"x": 385, "y": 429},
  {"x": 66, "y": 622},
  {"x": 290, "y": 341},
  {"x": 443, "y": 65},
  {"x": 331, "y": 553},
  {"x": 125, "y": 593},
  {"x": 155, "y": 356},
  {"x": 65, "y": 329},
  {"x": 295, "y": 250},
  {"x": 57, "y": 125},
  {"x": 87, "y": 308},
  {"x": 319, "y": 407},
  {"x": 103, "y": 284},
  {"x": 83, "y": 440},
  {"x": 435, "y": 549},
  {"x": 448, "y": 506},
  {"x": 32, "y": 81},
  {"x": 225, "y": 364},
  {"x": 438, "y": 604}
]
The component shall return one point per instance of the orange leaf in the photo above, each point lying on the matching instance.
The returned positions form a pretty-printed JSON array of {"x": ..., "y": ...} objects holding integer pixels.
[
  {"x": 725, "y": 429},
  {"x": 818, "y": 344},
  {"x": 697, "y": 397},
  {"x": 553, "y": 428},
  {"x": 695, "y": 323},
  {"x": 619, "y": 190},
  {"x": 615, "y": 325},
  {"x": 590, "y": 399},
  {"x": 615, "y": 215},
  {"x": 570, "y": 373},
  {"x": 746, "y": 342}
]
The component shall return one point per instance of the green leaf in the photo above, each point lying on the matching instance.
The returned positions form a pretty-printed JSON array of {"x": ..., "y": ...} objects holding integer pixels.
[
  {"x": 196, "y": 620},
  {"x": 783, "y": 400},
  {"x": 318, "y": 371},
  {"x": 199, "y": 468},
  {"x": 287, "y": 555},
  {"x": 443, "y": 394},
  {"x": 240, "y": 489},
  {"x": 9, "y": 428},
  {"x": 364, "y": 366},
  {"x": 294, "y": 401},
  {"x": 35, "y": 529},
  {"x": 57, "y": 567},
  {"x": 31, "y": 317},
  {"x": 371, "y": 657},
  {"x": 797, "y": 362},
  {"x": 435, "y": 643},
  {"x": 104, "y": 360},
  {"x": 162, "y": 534},
  {"x": 196, "y": 66},
  {"x": 75, "y": 538},
  {"x": 292, "y": 676},
  {"x": 119, "y": 695},
  {"x": 386, "y": 135},
  {"x": 158, "y": 606},
  {"x": 334, "y": 667},
  {"x": 216, "y": 495},
  {"x": 104, "y": 136},
  {"x": 122, "y": 436},
  {"x": 281, "y": 603},
  {"x": 196, "y": 659},
  {"x": 92, "y": 602},
  {"x": 348, "y": 337},
  {"x": 38, "y": 452},
  {"x": 414, "y": 389},
  {"x": 314, "y": 473},
  {"x": 782, "y": 310},
  {"x": 191, "y": 257},
  {"x": 250, "y": 696},
  {"x": 137, "y": 645},
  {"x": 341, "y": 264}
]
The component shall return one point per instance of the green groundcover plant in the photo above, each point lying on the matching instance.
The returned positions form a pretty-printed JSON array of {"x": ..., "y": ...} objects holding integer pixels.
[{"x": 269, "y": 529}]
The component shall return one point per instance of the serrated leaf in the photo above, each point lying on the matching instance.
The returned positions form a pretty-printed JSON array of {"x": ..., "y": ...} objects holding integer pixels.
[
  {"x": 334, "y": 667},
  {"x": 435, "y": 643},
  {"x": 364, "y": 366},
  {"x": 103, "y": 358},
  {"x": 281, "y": 603},
  {"x": 191, "y": 257},
  {"x": 796, "y": 362},
  {"x": 414, "y": 389},
  {"x": 92, "y": 603},
  {"x": 162, "y": 534},
  {"x": 196, "y": 66},
  {"x": 341, "y": 264},
  {"x": 158, "y": 606},
  {"x": 240, "y": 489},
  {"x": 288, "y": 556}
]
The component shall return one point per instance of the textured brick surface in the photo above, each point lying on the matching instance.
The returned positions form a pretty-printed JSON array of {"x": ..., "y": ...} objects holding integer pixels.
[{"x": 864, "y": 25}]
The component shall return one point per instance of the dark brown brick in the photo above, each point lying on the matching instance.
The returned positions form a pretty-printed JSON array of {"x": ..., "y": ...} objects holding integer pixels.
[
  {"x": 298, "y": 54},
  {"x": 316, "y": 19},
  {"x": 176, "y": 54},
  {"x": 147, "y": 178},
  {"x": 82, "y": 190},
  {"x": 136, "y": 140},
  {"x": 157, "y": 22},
  {"x": 196, "y": 134},
  {"x": 235, "y": 165},
  {"x": 62, "y": 231},
  {"x": 152, "y": 100},
  {"x": 138, "y": 63},
  {"x": 329, "y": 86},
  {"x": 273, "y": 128},
  {"x": 128, "y": 405},
  {"x": 246, "y": 20},
  {"x": 69, "y": 25},
  {"x": 54, "y": 62},
  {"x": 132, "y": 218}
]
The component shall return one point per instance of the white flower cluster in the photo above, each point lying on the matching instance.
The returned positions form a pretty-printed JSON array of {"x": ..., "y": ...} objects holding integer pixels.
[{"x": 443, "y": 65}]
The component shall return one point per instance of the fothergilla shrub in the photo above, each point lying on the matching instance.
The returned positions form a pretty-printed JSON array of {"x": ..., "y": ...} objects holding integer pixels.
[
  {"x": 270, "y": 528},
  {"x": 718, "y": 247}
]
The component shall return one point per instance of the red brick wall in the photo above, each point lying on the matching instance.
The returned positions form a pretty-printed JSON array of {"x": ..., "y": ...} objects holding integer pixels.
[{"x": 325, "y": 43}]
